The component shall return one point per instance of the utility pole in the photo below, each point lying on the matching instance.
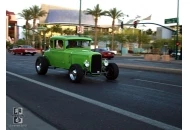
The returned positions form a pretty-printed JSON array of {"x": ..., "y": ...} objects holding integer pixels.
[
  {"x": 177, "y": 40},
  {"x": 80, "y": 17}
]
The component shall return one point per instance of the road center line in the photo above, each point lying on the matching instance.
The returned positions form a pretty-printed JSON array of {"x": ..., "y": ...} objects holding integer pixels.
[
  {"x": 158, "y": 82},
  {"x": 103, "y": 105}
]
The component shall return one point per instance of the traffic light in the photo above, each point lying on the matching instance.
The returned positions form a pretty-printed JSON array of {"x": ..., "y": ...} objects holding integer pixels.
[
  {"x": 122, "y": 24},
  {"x": 180, "y": 29},
  {"x": 135, "y": 24}
]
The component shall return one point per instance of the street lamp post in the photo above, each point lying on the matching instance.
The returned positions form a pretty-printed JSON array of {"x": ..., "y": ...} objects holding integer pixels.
[
  {"x": 80, "y": 17},
  {"x": 176, "y": 56}
]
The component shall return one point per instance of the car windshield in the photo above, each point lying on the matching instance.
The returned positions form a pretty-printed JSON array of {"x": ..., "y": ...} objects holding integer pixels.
[
  {"x": 100, "y": 50},
  {"x": 78, "y": 44},
  {"x": 26, "y": 46}
]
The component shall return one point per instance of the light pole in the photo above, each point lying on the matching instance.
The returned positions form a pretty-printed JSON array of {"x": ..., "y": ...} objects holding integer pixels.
[
  {"x": 80, "y": 17},
  {"x": 177, "y": 30}
]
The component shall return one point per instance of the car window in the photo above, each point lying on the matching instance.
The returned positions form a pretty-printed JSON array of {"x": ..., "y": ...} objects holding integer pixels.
[
  {"x": 103, "y": 50},
  {"x": 77, "y": 44},
  {"x": 27, "y": 46},
  {"x": 15, "y": 46},
  {"x": 99, "y": 50},
  {"x": 59, "y": 44},
  {"x": 51, "y": 44}
]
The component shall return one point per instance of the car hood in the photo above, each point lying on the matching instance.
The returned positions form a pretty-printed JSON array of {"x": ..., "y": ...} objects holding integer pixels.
[{"x": 81, "y": 51}]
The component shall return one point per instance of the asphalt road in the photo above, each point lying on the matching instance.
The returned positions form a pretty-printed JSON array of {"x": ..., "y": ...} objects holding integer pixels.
[
  {"x": 141, "y": 61},
  {"x": 136, "y": 100}
]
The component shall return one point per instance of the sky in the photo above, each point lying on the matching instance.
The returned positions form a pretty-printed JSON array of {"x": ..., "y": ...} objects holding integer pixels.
[{"x": 159, "y": 9}]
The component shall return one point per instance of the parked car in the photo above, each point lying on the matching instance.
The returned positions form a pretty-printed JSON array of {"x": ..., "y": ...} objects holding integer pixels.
[
  {"x": 105, "y": 53},
  {"x": 11, "y": 47},
  {"x": 73, "y": 53},
  {"x": 23, "y": 49},
  {"x": 173, "y": 53}
]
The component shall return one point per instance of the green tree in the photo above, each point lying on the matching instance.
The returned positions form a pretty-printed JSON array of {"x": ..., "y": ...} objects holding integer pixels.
[
  {"x": 149, "y": 31},
  {"x": 44, "y": 32},
  {"x": 68, "y": 31},
  {"x": 131, "y": 34},
  {"x": 26, "y": 15},
  {"x": 8, "y": 44},
  {"x": 36, "y": 13},
  {"x": 159, "y": 43},
  {"x": 143, "y": 39},
  {"x": 121, "y": 38},
  {"x": 114, "y": 14},
  {"x": 88, "y": 33},
  {"x": 96, "y": 12},
  {"x": 56, "y": 28},
  {"x": 21, "y": 42}
]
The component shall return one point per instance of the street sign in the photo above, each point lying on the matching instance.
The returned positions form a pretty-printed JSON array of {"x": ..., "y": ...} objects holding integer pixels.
[
  {"x": 171, "y": 20},
  {"x": 80, "y": 29}
]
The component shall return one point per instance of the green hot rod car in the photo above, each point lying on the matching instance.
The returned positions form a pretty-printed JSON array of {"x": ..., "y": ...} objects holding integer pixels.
[{"x": 73, "y": 53}]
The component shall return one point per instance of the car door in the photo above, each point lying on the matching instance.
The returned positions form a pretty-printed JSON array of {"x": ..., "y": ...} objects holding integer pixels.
[
  {"x": 18, "y": 50},
  {"x": 57, "y": 55}
]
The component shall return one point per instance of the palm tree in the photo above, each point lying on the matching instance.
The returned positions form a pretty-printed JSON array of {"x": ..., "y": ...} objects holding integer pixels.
[
  {"x": 36, "y": 13},
  {"x": 114, "y": 14},
  {"x": 56, "y": 28},
  {"x": 43, "y": 32},
  {"x": 26, "y": 14},
  {"x": 96, "y": 12},
  {"x": 149, "y": 31},
  {"x": 68, "y": 31}
]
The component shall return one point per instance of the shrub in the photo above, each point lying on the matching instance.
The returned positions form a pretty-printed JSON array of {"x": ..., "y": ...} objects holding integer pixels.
[{"x": 8, "y": 44}]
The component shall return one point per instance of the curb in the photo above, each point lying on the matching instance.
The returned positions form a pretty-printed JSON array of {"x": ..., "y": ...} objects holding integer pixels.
[
  {"x": 167, "y": 62},
  {"x": 149, "y": 68},
  {"x": 130, "y": 56}
]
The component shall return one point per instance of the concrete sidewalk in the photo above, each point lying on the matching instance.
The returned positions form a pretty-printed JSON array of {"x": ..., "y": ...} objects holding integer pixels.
[{"x": 30, "y": 121}]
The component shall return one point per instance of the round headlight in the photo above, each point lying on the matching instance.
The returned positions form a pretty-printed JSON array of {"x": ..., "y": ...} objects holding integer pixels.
[
  {"x": 86, "y": 63},
  {"x": 106, "y": 62}
]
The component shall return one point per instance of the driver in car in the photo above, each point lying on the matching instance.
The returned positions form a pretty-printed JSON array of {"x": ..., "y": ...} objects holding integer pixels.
[{"x": 71, "y": 44}]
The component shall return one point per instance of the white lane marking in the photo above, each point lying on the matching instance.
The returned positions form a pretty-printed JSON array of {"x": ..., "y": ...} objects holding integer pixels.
[
  {"x": 158, "y": 82},
  {"x": 103, "y": 105}
]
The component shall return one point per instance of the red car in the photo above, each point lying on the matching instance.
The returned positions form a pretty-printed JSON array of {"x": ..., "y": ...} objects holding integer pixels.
[
  {"x": 23, "y": 49},
  {"x": 105, "y": 53}
]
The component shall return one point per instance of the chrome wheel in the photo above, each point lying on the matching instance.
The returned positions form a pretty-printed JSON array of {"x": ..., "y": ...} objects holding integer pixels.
[
  {"x": 38, "y": 66},
  {"x": 41, "y": 65},
  {"x": 13, "y": 53},
  {"x": 73, "y": 74}
]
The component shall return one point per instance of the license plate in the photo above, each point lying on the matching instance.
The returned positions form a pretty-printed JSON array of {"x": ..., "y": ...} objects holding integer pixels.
[{"x": 109, "y": 53}]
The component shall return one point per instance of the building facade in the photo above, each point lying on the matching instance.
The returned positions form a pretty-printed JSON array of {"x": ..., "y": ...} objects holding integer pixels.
[
  {"x": 12, "y": 30},
  {"x": 69, "y": 18},
  {"x": 163, "y": 33}
]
